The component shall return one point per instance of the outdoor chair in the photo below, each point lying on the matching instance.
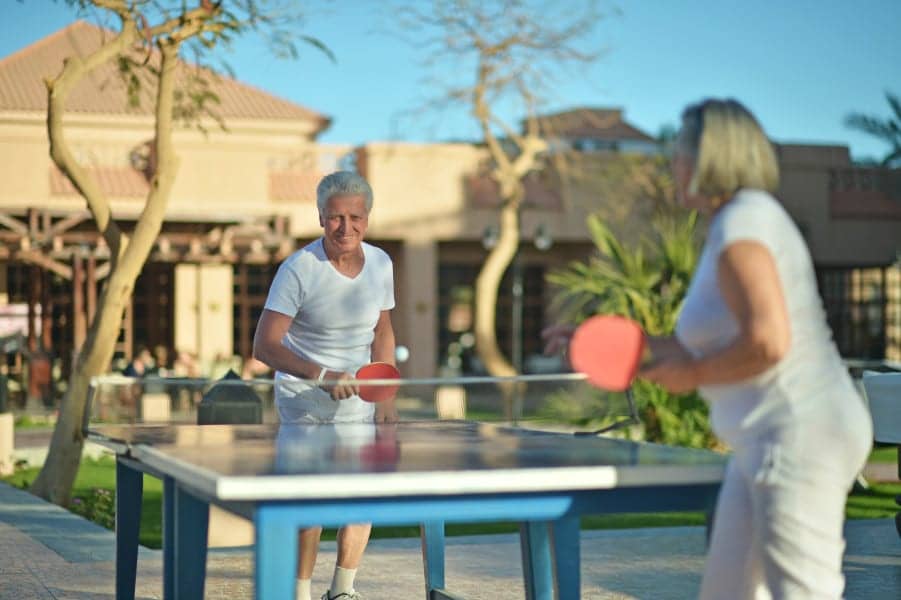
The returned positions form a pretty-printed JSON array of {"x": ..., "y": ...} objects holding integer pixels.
[{"x": 883, "y": 392}]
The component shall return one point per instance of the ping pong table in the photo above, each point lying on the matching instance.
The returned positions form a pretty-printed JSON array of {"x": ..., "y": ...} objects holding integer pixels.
[{"x": 427, "y": 473}]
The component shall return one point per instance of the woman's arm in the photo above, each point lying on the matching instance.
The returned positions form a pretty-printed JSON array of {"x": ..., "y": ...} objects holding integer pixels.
[
  {"x": 383, "y": 351},
  {"x": 749, "y": 282}
]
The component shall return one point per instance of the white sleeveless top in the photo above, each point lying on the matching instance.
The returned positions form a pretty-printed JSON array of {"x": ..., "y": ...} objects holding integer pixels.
[{"x": 811, "y": 377}]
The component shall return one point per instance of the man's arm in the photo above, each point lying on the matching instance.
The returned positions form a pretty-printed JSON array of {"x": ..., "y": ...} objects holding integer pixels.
[
  {"x": 383, "y": 342},
  {"x": 268, "y": 347},
  {"x": 383, "y": 351}
]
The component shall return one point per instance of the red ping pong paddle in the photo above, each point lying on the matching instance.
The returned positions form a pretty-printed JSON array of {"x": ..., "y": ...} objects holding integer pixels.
[
  {"x": 608, "y": 350},
  {"x": 378, "y": 370}
]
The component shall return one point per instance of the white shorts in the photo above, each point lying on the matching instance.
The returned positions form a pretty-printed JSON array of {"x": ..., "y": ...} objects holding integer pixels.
[
  {"x": 305, "y": 448},
  {"x": 299, "y": 402}
]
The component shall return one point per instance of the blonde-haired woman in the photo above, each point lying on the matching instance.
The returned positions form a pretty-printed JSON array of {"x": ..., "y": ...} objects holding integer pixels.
[{"x": 752, "y": 336}]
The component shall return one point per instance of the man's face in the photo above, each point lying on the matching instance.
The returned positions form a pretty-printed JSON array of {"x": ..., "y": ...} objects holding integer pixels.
[{"x": 345, "y": 221}]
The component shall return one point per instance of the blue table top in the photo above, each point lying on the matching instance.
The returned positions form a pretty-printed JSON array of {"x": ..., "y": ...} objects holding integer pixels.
[{"x": 253, "y": 462}]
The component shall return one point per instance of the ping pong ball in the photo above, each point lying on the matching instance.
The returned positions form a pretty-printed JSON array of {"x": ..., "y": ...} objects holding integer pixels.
[{"x": 401, "y": 354}]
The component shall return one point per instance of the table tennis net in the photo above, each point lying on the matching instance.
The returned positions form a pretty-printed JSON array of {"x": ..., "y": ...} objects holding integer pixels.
[{"x": 566, "y": 401}]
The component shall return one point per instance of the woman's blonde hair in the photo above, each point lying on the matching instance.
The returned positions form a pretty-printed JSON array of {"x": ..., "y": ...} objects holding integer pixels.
[{"x": 729, "y": 149}]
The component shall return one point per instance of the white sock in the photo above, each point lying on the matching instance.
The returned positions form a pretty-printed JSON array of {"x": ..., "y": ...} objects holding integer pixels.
[
  {"x": 342, "y": 581},
  {"x": 303, "y": 589}
]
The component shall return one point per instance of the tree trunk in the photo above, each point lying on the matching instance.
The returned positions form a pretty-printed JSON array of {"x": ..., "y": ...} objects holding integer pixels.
[
  {"x": 54, "y": 482},
  {"x": 487, "y": 284}
]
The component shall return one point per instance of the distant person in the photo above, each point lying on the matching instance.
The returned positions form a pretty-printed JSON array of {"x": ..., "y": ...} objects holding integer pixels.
[
  {"x": 40, "y": 376},
  {"x": 752, "y": 336},
  {"x": 161, "y": 360},
  {"x": 329, "y": 313},
  {"x": 141, "y": 364},
  {"x": 185, "y": 365}
]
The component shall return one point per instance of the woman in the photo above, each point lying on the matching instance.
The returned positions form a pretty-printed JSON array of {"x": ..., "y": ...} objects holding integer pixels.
[
  {"x": 327, "y": 314},
  {"x": 752, "y": 336}
]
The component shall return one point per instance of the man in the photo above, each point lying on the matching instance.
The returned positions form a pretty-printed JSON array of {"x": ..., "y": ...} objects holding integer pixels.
[{"x": 329, "y": 313}]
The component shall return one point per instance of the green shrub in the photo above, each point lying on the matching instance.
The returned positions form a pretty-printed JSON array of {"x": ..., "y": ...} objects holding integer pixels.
[
  {"x": 646, "y": 281},
  {"x": 98, "y": 505}
]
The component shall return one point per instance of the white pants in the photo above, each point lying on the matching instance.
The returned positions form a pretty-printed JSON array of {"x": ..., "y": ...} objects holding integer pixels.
[{"x": 780, "y": 514}]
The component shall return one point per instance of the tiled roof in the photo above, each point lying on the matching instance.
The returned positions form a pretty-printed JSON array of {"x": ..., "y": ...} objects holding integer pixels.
[
  {"x": 293, "y": 186},
  {"x": 22, "y": 83},
  {"x": 591, "y": 123},
  {"x": 117, "y": 182}
]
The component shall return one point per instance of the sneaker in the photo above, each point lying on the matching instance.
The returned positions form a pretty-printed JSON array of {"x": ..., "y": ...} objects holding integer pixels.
[{"x": 344, "y": 596}]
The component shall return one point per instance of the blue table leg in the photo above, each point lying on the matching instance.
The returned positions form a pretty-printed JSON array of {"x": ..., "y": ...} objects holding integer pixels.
[
  {"x": 276, "y": 552},
  {"x": 537, "y": 571},
  {"x": 189, "y": 545},
  {"x": 432, "y": 534},
  {"x": 168, "y": 538},
  {"x": 566, "y": 557},
  {"x": 129, "y": 493}
]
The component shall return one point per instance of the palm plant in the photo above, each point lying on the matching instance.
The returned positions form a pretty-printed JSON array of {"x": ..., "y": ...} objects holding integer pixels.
[
  {"x": 888, "y": 130},
  {"x": 647, "y": 282}
]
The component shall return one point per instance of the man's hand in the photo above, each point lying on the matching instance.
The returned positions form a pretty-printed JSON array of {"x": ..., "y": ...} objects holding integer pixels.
[
  {"x": 335, "y": 382},
  {"x": 386, "y": 412}
]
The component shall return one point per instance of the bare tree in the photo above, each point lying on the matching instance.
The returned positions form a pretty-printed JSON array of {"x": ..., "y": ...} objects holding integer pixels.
[
  {"x": 503, "y": 54},
  {"x": 150, "y": 38}
]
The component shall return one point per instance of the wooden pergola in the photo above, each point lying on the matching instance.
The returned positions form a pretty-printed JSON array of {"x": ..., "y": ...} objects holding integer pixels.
[{"x": 68, "y": 245}]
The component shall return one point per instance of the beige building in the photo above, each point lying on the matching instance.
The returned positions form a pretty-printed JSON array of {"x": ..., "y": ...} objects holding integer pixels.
[{"x": 244, "y": 199}]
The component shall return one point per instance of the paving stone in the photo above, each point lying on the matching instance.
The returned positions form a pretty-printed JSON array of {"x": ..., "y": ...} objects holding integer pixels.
[{"x": 659, "y": 564}]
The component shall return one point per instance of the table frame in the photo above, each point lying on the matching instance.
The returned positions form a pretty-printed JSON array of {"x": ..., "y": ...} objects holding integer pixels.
[{"x": 549, "y": 529}]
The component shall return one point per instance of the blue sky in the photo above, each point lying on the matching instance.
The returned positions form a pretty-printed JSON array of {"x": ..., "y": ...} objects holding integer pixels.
[{"x": 801, "y": 66}]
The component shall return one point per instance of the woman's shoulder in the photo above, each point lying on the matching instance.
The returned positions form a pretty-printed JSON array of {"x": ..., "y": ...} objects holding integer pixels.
[
  {"x": 758, "y": 202},
  {"x": 754, "y": 215},
  {"x": 753, "y": 209}
]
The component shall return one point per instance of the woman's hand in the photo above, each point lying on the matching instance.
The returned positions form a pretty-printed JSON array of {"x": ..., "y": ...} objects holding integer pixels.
[
  {"x": 676, "y": 373},
  {"x": 556, "y": 338}
]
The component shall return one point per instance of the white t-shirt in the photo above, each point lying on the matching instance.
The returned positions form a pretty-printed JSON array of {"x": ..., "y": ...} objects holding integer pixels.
[
  {"x": 811, "y": 376},
  {"x": 334, "y": 315}
]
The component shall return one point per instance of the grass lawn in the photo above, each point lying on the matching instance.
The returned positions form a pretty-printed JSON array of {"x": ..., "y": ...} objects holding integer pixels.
[
  {"x": 874, "y": 503},
  {"x": 101, "y": 474},
  {"x": 884, "y": 454},
  {"x": 33, "y": 422}
]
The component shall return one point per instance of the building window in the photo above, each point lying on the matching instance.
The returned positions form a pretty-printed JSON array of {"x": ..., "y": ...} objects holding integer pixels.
[
  {"x": 862, "y": 306},
  {"x": 251, "y": 286},
  {"x": 456, "y": 291}
]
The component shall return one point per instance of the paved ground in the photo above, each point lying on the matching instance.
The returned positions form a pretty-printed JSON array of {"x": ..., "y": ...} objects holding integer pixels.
[{"x": 48, "y": 553}]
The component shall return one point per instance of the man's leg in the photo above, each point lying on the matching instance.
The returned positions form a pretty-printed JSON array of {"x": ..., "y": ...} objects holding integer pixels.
[
  {"x": 308, "y": 541},
  {"x": 352, "y": 540}
]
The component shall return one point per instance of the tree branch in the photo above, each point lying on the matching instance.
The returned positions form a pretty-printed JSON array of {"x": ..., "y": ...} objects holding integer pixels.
[
  {"x": 151, "y": 219},
  {"x": 75, "y": 69}
]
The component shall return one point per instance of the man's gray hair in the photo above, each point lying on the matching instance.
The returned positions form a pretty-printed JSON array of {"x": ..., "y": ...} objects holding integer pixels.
[{"x": 342, "y": 183}]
